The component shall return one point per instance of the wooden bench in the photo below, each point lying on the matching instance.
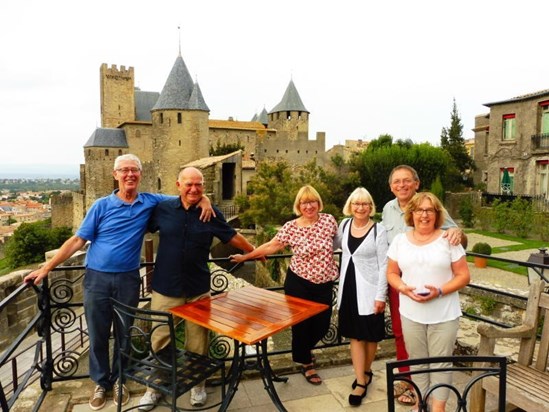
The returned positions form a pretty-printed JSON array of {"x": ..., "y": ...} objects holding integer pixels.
[{"x": 528, "y": 378}]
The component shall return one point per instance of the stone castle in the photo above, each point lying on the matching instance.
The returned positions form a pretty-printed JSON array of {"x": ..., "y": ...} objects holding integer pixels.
[{"x": 172, "y": 129}]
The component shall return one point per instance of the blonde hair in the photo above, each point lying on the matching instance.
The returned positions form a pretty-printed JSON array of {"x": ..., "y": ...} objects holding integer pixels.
[
  {"x": 307, "y": 194},
  {"x": 414, "y": 203},
  {"x": 359, "y": 195}
]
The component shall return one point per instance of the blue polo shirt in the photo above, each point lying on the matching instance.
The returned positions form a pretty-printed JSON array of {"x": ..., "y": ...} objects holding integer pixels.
[
  {"x": 181, "y": 268},
  {"x": 115, "y": 229}
]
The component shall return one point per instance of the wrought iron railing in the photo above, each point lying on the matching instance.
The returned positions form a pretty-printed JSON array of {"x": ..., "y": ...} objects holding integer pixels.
[
  {"x": 52, "y": 344},
  {"x": 540, "y": 141}
]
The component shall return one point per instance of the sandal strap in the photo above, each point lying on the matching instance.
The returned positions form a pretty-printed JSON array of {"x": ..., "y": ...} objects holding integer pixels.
[{"x": 308, "y": 367}]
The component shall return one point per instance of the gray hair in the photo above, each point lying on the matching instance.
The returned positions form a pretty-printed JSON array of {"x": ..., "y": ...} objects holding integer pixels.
[
  {"x": 359, "y": 195},
  {"x": 125, "y": 157}
]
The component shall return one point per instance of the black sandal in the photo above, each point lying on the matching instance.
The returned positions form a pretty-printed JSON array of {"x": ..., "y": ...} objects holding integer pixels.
[
  {"x": 312, "y": 378},
  {"x": 366, "y": 373},
  {"x": 356, "y": 400}
]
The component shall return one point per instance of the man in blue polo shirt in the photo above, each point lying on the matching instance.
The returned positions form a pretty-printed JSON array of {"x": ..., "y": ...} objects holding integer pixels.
[
  {"x": 114, "y": 226},
  {"x": 181, "y": 272}
]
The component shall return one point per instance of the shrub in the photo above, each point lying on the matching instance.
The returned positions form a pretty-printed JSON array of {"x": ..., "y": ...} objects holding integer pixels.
[
  {"x": 500, "y": 215},
  {"x": 484, "y": 217},
  {"x": 482, "y": 248},
  {"x": 466, "y": 212},
  {"x": 521, "y": 217}
]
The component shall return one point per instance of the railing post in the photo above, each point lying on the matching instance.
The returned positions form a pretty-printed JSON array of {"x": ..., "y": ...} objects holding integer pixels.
[
  {"x": 149, "y": 258},
  {"x": 44, "y": 330}
]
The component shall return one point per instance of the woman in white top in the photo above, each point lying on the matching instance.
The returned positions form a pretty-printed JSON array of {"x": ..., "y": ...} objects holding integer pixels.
[
  {"x": 362, "y": 287},
  {"x": 433, "y": 271}
]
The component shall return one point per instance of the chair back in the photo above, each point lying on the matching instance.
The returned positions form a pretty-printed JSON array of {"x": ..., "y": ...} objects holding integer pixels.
[
  {"x": 477, "y": 367},
  {"x": 170, "y": 370}
]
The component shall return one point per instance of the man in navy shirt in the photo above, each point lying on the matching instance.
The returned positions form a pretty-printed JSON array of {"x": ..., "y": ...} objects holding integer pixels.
[
  {"x": 114, "y": 226},
  {"x": 181, "y": 272}
]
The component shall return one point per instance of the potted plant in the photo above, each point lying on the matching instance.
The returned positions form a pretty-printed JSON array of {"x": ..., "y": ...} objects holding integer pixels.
[{"x": 482, "y": 248}]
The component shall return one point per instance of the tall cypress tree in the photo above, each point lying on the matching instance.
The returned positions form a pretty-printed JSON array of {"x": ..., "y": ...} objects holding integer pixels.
[{"x": 452, "y": 141}]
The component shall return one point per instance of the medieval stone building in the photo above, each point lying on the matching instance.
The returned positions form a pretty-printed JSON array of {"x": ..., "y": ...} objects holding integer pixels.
[
  {"x": 172, "y": 129},
  {"x": 512, "y": 145}
]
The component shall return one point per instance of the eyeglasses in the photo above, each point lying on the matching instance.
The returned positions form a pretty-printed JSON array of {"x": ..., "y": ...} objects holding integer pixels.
[
  {"x": 419, "y": 212},
  {"x": 406, "y": 182},
  {"x": 309, "y": 203},
  {"x": 127, "y": 170},
  {"x": 359, "y": 204}
]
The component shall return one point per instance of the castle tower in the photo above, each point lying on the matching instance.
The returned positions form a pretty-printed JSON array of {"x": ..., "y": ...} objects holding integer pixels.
[
  {"x": 117, "y": 95},
  {"x": 290, "y": 115},
  {"x": 103, "y": 146},
  {"x": 180, "y": 126}
]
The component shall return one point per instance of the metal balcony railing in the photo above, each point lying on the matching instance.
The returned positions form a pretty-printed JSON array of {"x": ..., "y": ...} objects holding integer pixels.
[
  {"x": 50, "y": 347},
  {"x": 540, "y": 141}
]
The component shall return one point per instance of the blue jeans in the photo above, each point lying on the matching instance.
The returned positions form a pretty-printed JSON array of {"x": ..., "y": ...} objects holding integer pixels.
[{"x": 99, "y": 288}]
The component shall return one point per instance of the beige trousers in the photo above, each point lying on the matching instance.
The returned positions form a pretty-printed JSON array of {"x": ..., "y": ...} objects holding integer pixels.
[{"x": 196, "y": 337}]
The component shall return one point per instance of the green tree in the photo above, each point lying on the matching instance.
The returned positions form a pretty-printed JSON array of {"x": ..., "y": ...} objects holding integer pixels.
[
  {"x": 225, "y": 148},
  {"x": 374, "y": 165},
  {"x": 272, "y": 190},
  {"x": 452, "y": 141},
  {"x": 437, "y": 189},
  {"x": 31, "y": 241}
]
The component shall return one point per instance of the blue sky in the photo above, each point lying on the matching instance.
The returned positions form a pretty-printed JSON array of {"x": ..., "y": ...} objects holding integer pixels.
[{"x": 362, "y": 68}]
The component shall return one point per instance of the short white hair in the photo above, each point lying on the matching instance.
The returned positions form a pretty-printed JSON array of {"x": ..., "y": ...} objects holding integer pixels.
[{"x": 125, "y": 157}]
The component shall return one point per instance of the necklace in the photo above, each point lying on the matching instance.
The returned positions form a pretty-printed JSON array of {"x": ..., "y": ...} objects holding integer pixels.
[
  {"x": 361, "y": 227},
  {"x": 422, "y": 240}
]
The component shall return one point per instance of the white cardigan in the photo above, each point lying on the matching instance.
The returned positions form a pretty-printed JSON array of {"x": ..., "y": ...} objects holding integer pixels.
[{"x": 370, "y": 260}]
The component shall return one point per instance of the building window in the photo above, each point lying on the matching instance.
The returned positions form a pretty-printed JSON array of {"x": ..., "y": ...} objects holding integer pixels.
[
  {"x": 106, "y": 152},
  {"x": 545, "y": 117},
  {"x": 161, "y": 118},
  {"x": 506, "y": 180},
  {"x": 542, "y": 170},
  {"x": 179, "y": 118},
  {"x": 509, "y": 126}
]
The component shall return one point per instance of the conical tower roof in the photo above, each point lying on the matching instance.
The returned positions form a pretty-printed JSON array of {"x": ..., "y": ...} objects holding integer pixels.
[
  {"x": 177, "y": 89},
  {"x": 291, "y": 102},
  {"x": 263, "y": 117},
  {"x": 196, "y": 101}
]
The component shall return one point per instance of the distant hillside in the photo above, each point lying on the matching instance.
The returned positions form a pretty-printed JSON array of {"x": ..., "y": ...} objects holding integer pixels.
[
  {"x": 39, "y": 171},
  {"x": 38, "y": 185}
]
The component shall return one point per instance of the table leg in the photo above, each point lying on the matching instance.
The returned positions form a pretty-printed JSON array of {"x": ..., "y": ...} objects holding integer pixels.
[
  {"x": 238, "y": 365},
  {"x": 261, "y": 364},
  {"x": 267, "y": 374}
]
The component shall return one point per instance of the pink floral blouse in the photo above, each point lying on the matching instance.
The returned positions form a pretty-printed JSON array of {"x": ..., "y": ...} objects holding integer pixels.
[{"x": 312, "y": 248}]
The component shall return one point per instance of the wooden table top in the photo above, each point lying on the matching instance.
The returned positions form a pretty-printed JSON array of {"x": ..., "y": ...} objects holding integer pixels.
[{"x": 250, "y": 314}]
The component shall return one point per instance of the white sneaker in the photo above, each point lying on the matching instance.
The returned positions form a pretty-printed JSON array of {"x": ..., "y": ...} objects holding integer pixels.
[
  {"x": 149, "y": 400},
  {"x": 198, "y": 396}
]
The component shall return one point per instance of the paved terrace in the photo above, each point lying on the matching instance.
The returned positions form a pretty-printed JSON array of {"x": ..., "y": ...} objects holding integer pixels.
[{"x": 298, "y": 395}]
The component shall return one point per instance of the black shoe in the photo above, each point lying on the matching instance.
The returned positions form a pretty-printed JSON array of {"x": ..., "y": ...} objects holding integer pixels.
[
  {"x": 356, "y": 400},
  {"x": 368, "y": 373}
]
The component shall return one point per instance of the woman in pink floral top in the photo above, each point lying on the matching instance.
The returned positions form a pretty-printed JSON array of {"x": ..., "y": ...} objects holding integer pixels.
[{"x": 311, "y": 273}]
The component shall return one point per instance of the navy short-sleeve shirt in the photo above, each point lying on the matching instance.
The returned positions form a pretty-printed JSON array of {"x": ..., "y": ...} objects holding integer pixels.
[{"x": 181, "y": 267}]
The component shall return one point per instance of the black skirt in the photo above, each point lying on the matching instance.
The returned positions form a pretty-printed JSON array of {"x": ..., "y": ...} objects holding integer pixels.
[{"x": 370, "y": 328}]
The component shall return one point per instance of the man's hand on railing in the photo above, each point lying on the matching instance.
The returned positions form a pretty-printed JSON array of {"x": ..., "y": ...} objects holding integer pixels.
[{"x": 35, "y": 277}]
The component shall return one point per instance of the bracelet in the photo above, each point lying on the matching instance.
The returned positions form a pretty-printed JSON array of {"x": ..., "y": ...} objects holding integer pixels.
[{"x": 439, "y": 292}]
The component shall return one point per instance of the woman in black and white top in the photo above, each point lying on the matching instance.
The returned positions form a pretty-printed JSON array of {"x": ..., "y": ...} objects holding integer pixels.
[{"x": 362, "y": 287}]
